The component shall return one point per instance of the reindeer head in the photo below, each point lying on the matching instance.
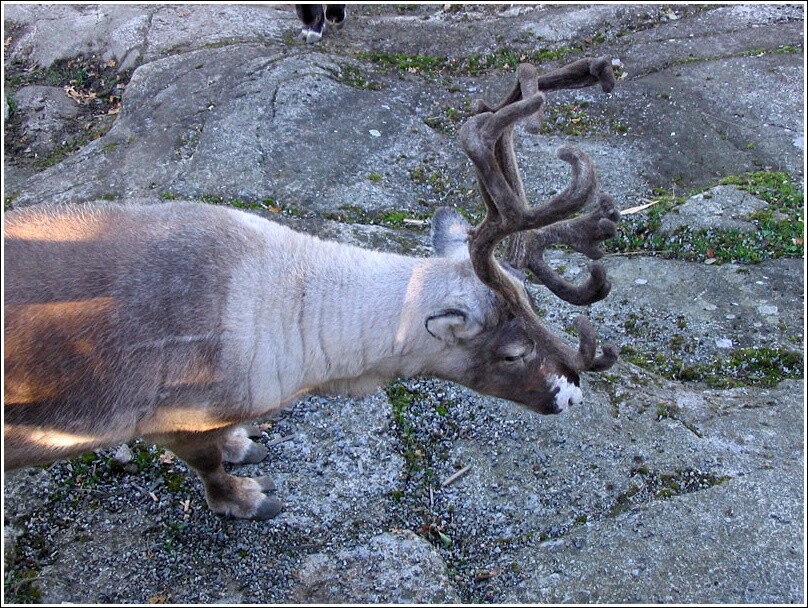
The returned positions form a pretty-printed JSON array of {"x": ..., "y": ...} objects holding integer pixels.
[{"x": 509, "y": 352}]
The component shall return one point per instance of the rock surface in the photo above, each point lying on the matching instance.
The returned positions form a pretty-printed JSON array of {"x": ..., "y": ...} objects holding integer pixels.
[
  {"x": 661, "y": 487},
  {"x": 721, "y": 207}
]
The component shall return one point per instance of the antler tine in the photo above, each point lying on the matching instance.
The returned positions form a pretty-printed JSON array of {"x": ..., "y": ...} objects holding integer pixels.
[
  {"x": 578, "y": 74},
  {"x": 584, "y": 234},
  {"x": 582, "y": 73},
  {"x": 585, "y": 358}
]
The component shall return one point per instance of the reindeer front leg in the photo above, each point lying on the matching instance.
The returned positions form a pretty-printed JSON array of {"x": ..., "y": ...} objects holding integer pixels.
[{"x": 226, "y": 494}]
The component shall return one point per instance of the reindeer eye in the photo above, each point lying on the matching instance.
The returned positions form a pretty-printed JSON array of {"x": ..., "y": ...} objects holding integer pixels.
[{"x": 518, "y": 352}]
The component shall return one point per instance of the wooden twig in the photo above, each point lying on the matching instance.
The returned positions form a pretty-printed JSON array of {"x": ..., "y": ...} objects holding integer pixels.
[
  {"x": 638, "y": 208},
  {"x": 451, "y": 479},
  {"x": 639, "y": 252},
  {"x": 280, "y": 440}
]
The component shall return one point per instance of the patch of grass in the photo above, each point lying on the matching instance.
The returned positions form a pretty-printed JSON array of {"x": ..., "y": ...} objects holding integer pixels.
[
  {"x": 436, "y": 179},
  {"x": 392, "y": 218},
  {"x": 60, "y": 73},
  {"x": 779, "y": 229},
  {"x": 145, "y": 456},
  {"x": 215, "y": 199},
  {"x": 781, "y": 50},
  {"x": 450, "y": 119},
  {"x": 640, "y": 232},
  {"x": 471, "y": 65},
  {"x": 402, "y": 62},
  {"x": 93, "y": 81},
  {"x": 402, "y": 399},
  {"x": 421, "y": 419},
  {"x": 12, "y": 103},
  {"x": 576, "y": 119},
  {"x": 660, "y": 485},
  {"x": 62, "y": 152},
  {"x": 20, "y": 586},
  {"x": 267, "y": 204},
  {"x": 354, "y": 78},
  {"x": 774, "y": 187},
  {"x": 761, "y": 366},
  {"x": 94, "y": 84}
]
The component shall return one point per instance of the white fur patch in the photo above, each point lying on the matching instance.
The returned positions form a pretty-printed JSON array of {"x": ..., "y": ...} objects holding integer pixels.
[
  {"x": 310, "y": 36},
  {"x": 568, "y": 394}
]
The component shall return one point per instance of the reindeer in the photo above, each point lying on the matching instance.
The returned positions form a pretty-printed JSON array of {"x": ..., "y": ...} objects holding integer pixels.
[{"x": 178, "y": 322}]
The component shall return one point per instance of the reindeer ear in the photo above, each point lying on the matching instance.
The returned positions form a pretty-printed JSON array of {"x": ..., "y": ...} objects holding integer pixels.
[
  {"x": 452, "y": 325},
  {"x": 450, "y": 234}
]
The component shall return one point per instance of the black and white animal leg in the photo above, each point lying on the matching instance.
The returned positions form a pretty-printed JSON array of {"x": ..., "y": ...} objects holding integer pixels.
[{"x": 313, "y": 19}]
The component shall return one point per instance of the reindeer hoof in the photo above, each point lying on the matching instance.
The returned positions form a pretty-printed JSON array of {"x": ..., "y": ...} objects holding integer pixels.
[
  {"x": 269, "y": 508},
  {"x": 255, "y": 453},
  {"x": 242, "y": 497},
  {"x": 265, "y": 483}
]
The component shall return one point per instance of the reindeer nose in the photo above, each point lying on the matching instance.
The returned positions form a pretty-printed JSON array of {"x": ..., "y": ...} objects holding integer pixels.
[{"x": 568, "y": 393}]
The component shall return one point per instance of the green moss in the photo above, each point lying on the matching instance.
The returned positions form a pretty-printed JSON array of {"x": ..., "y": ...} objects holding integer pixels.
[
  {"x": 661, "y": 485},
  {"x": 577, "y": 119},
  {"x": 779, "y": 230},
  {"x": 354, "y": 78},
  {"x": 471, "y": 65},
  {"x": 20, "y": 586},
  {"x": 450, "y": 119},
  {"x": 267, "y": 204},
  {"x": 760, "y": 366},
  {"x": 393, "y": 218}
]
